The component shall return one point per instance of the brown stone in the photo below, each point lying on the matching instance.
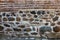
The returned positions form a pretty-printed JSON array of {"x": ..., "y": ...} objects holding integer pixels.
[
  {"x": 25, "y": 19},
  {"x": 1, "y": 28},
  {"x": 58, "y": 23},
  {"x": 56, "y": 29},
  {"x": 0, "y": 20},
  {"x": 58, "y": 13},
  {"x": 8, "y": 30},
  {"x": 18, "y": 18},
  {"x": 11, "y": 19},
  {"x": 27, "y": 29},
  {"x": 23, "y": 15},
  {"x": 26, "y": 11},
  {"x": 31, "y": 19},
  {"x": 5, "y": 19},
  {"x": 22, "y": 26},
  {"x": 19, "y": 35},
  {"x": 44, "y": 18}
]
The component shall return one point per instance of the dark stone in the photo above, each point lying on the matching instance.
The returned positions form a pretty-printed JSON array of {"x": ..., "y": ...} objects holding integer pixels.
[
  {"x": 22, "y": 26},
  {"x": 34, "y": 33},
  {"x": 1, "y": 28},
  {"x": 11, "y": 19},
  {"x": 41, "y": 20},
  {"x": 6, "y": 25},
  {"x": 44, "y": 29},
  {"x": 43, "y": 12},
  {"x": 26, "y": 34},
  {"x": 36, "y": 20},
  {"x": 35, "y": 16},
  {"x": 55, "y": 18},
  {"x": 33, "y": 12},
  {"x": 52, "y": 24},
  {"x": 0, "y": 20},
  {"x": 13, "y": 14},
  {"x": 24, "y": 15},
  {"x": 20, "y": 11},
  {"x": 47, "y": 12},
  {"x": 17, "y": 22},
  {"x": 33, "y": 28},
  {"x": 7, "y": 15},
  {"x": 15, "y": 29},
  {"x": 4, "y": 14},
  {"x": 0, "y": 16},
  {"x": 27, "y": 29},
  {"x": 46, "y": 23},
  {"x": 39, "y": 12},
  {"x": 25, "y": 19}
]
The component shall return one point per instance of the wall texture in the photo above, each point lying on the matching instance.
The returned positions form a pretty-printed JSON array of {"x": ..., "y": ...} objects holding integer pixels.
[{"x": 31, "y": 4}]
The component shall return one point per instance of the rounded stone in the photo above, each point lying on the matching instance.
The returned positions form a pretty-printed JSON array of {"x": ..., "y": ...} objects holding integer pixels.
[
  {"x": 1, "y": 28},
  {"x": 6, "y": 25},
  {"x": 46, "y": 23},
  {"x": 39, "y": 12},
  {"x": 8, "y": 30},
  {"x": 5, "y": 19},
  {"x": 56, "y": 29},
  {"x": 43, "y": 29},
  {"x": 16, "y": 29},
  {"x": 34, "y": 33},
  {"x": 58, "y": 23},
  {"x": 35, "y": 16},
  {"x": 55, "y": 18},
  {"x": 3, "y": 14},
  {"x": 11, "y": 18},
  {"x": 18, "y": 19},
  {"x": 20, "y": 11},
  {"x": 21, "y": 26},
  {"x": 52, "y": 24},
  {"x": 31, "y": 19},
  {"x": 33, "y": 12},
  {"x": 27, "y": 29},
  {"x": 25, "y": 19}
]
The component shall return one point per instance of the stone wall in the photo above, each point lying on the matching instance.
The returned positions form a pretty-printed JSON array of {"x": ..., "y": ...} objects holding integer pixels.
[
  {"x": 28, "y": 22},
  {"x": 25, "y": 18}
]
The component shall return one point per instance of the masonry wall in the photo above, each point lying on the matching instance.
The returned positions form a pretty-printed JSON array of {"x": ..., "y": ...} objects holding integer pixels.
[{"x": 20, "y": 18}]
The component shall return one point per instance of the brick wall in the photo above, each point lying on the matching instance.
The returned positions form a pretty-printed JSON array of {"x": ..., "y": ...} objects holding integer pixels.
[{"x": 20, "y": 4}]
